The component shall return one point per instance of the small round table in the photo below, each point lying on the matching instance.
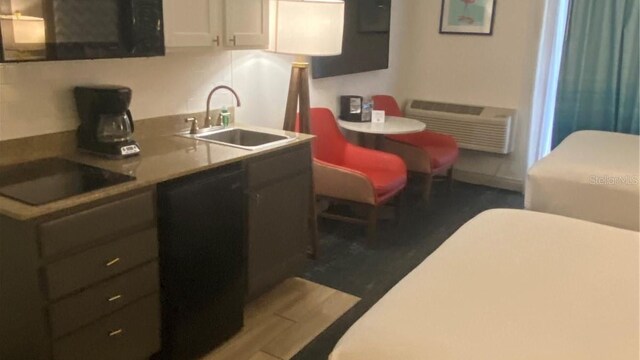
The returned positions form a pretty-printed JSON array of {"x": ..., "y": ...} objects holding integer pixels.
[{"x": 393, "y": 125}]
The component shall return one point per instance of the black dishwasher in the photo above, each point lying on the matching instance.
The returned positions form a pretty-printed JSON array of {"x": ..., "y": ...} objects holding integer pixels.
[{"x": 202, "y": 261}]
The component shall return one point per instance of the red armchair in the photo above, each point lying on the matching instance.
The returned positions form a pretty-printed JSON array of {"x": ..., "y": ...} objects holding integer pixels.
[
  {"x": 343, "y": 171},
  {"x": 428, "y": 153}
]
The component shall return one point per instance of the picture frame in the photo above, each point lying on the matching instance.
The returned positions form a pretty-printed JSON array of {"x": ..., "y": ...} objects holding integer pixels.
[{"x": 467, "y": 17}]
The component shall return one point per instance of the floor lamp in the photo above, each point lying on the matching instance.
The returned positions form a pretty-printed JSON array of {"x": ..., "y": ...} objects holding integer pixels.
[{"x": 304, "y": 28}]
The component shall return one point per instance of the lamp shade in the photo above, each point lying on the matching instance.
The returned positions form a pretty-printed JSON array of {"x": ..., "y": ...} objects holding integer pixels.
[
  {"x": 25, "y": 29},
  {"x": 311, "y": 28}
]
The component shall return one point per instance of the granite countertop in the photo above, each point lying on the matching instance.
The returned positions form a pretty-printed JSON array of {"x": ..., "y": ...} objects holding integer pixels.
[{"x": 163, "y": 157}]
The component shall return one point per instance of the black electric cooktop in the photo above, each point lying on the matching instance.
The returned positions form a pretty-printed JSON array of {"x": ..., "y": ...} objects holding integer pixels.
[{"x": 43, "y": 181}]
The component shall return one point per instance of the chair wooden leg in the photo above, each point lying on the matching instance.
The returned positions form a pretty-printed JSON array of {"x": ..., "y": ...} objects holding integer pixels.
[
  {"x": 450, "y": 179},
  {"x": 372, "y": 226},
  {"x": 428, "y": 184}
]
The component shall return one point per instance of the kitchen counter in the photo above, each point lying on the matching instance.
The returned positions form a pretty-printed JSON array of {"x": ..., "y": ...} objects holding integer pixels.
[{"x": 164, "y": 156}]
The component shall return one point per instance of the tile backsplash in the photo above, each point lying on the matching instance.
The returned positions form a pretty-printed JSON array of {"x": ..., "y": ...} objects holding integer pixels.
[{"x": 37, "y": 98}]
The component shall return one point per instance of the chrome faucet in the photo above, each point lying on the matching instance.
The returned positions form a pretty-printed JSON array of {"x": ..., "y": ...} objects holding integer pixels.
[{"x": 207, "y": 119}]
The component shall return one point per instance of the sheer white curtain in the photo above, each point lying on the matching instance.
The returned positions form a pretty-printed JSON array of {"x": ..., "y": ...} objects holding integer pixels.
[{"x": 547, "y": 73}]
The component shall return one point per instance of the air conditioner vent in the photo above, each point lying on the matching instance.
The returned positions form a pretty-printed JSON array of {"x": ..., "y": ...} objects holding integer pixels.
[
  {"x": 447, "y": 108},
  {"x": 481, "y": 128}
]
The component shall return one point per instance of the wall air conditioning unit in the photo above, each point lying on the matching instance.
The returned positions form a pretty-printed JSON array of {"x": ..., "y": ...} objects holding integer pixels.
[{"x": 481, "y": 128}]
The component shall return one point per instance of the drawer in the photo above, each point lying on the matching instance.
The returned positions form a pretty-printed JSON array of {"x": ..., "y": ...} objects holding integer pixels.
[
  {"x": 277, "y": 166},
  {"x": 131, "y": 333},
  {"x": 72, "y": 313},
  {"x": 82, "y": 228},
  {"x": 99, "y": 263}
]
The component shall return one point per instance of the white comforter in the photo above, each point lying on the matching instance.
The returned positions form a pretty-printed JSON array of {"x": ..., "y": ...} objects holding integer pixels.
[
  {"x": 511, "y": 284},
  {"x": 591, "y": 175}
]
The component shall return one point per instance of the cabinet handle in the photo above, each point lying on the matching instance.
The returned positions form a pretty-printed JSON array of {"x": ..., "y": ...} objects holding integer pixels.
[
  {"x": 116, "y": 333},
  {"x": 255, "y": 197},
  {"x": 217, "y": 40},
  {"x": 233, "y": 40},
  {"x": 113, "y": 262},
  {"x": 114, "y": 298}
]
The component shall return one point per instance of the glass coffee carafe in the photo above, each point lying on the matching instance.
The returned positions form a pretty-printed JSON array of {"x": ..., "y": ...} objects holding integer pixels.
[{"x": 114, "y": 128}]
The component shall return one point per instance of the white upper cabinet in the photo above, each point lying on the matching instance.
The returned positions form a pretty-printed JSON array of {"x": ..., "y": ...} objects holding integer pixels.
[
  {"x": 246, "y": 24},
  {"x": 234, "y": 24},
  {"x": 193, "y": 23}
]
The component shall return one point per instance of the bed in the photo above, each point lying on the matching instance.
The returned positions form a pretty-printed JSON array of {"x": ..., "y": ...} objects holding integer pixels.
[
  {"x": 511, "y": 284},
  {"x": 591, "y": 175}
]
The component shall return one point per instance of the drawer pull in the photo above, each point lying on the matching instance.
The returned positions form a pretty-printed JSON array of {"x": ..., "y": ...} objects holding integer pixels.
[
  {"x": 115, "y": 298},
  {"x": 113, "y": 262},
  {"x": 116, "y": 333}
]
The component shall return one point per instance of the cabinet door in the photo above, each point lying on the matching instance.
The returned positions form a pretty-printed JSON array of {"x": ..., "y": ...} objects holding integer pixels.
[
  {"x": 278, "y": 232},
  {"x": 193, "y": 23},
  {"x": 246, "y": 24}
]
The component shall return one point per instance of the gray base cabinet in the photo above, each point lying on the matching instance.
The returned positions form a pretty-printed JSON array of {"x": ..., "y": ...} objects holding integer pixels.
[
  {"x": 82, "y": 284},
  {"x": 278, "y": 233}
]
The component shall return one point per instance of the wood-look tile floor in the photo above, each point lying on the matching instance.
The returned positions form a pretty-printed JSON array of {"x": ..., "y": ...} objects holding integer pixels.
[{"x": 279, "y": 324}]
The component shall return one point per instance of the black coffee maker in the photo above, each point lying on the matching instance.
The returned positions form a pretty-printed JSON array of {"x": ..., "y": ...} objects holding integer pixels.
[{"x": 106, "y": 126}]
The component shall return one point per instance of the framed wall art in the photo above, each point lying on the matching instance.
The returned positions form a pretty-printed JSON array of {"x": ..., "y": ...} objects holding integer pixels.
[{"x": 470, "y": 17}]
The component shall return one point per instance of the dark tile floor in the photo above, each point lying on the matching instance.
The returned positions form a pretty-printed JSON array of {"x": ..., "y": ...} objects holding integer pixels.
[{"x": 348, "y": 265}]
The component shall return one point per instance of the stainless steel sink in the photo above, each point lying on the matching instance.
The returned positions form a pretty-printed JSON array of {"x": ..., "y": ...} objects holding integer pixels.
[{"x": 240, "y": 138}]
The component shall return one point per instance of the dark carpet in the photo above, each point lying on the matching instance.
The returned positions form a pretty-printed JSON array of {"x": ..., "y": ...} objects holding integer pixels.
[{"x": 347, "y": 264}]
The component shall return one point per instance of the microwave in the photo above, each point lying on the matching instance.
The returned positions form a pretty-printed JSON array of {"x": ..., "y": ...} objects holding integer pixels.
[{"x": 47, "y": 30}]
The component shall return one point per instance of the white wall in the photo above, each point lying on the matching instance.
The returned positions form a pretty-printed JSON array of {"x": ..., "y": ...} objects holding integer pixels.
[
  {"x": 36, "y": 98},
  {"x": 493, "y": 70},
  {"x": 262, "y": 78},
  {"x": 497, "y": 70}
]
